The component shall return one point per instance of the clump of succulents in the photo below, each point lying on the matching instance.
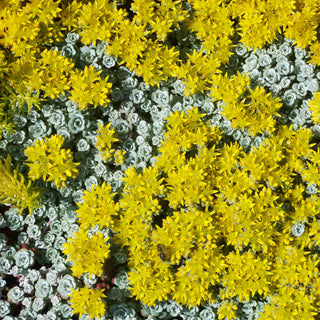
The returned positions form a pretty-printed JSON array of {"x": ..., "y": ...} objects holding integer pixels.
[
  {"x": 283, "y": 69},
  {"x": 28, "y": 287},
  {"x": 35, "y": 278}
]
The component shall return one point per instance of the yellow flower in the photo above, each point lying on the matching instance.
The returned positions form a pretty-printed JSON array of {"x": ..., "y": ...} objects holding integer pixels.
[
  {"x": 315, "y": 53},
  {"x": 227, "y": 310},
  {"x": 302, "y": 26},
  {"x": 315, "y": 107},
  {"x": 119, "y": 157},
  {"x": 87, "y": 253},
  {"x": 151, "y": 284},
  {"x": 48, "y": 160},
  {"x": 87, "y": 87},
  {"x": 14, "y": 190},
  {"x": 97, "y": 207},
  {"x": 54, "y": 72},
  {"x": 106, "y": 136},
  {"x": 246, "y": 276},
  {"x": 257, "y": 115},
  {"x": 88, "y": 301}
]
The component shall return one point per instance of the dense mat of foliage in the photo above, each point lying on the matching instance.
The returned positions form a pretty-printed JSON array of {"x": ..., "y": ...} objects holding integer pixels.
[{"x": 159, "y": 159}]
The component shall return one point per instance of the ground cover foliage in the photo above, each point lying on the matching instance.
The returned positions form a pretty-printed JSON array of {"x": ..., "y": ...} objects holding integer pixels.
[{"x": 159, "y": 159}]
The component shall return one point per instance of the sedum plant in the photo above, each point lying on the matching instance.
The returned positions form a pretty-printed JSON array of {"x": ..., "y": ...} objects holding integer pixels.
[
  {"x": 89, "y": 88},
  {"x": 97, "y": 207},
  {"x": 88, "y": 301},
  {"x": 210, "y": 222},
  {"x": 47, "y": 160},
  {"x": 91, "y": 256},
  {"x": 14, "y": 190},
  {"x": 250, "y": 109},
  {"x": 106, "y": 135},
  {"x": 315, "y": 107},
  {"x": 212, "y": 236},
  {"x": 24, "y": 258}
]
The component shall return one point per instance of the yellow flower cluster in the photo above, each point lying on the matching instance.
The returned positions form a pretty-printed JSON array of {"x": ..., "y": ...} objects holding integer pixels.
[
  {"x": 29, "y": 77},
  {"x": 210, "y": 216},
  {"x": 97, "y": 19},
  {"x": 87, "y": 253},
  {"x": 222, "y": 221},
  {"x": 206, "y": 216},
  {"x": 213, "y": 26},
  {"x": 314, "y": 107},
  {"x": 88, "y": 301},
  {"x": 51, "y": 75},
  {"x": 14, "y": 190},
  {"x": 119, "y": 157},
  {"x": 105, "y": 138},
  {"x": 227, "y": 310},
  {"x": 29, "y": 71},
  {"x": 250, "y": 109},
  {"x": 105, "y": 144},
  {"x": 302, "y": 25},
  {"x": 141, "y": 40},
  {"x": 97, "y": 207},
  {"x": 25, "y": 26},
  {"x": 25, "y": 29},
  {"x": 260, "y": 20},
  {"x": 47, "y": 160},
  {"x": 87, "y": 87}
]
